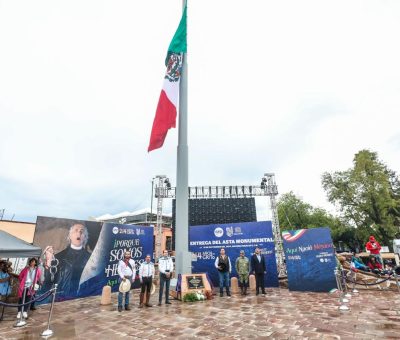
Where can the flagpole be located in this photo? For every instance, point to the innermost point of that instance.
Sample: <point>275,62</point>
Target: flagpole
<point>183,257</point>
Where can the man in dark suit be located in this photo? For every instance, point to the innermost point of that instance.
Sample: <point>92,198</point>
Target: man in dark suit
<point>258,268</point>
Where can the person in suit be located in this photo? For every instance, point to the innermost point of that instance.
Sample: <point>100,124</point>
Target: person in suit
<point>258,268</point>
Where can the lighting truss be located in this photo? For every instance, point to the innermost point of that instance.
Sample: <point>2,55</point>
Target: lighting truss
<point>268,188</point>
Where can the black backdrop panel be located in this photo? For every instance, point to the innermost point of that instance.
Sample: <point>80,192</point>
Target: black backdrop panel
<point>217,211</point>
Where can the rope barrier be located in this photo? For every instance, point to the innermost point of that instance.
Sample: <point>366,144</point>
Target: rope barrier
<point>39,298</point>
<point>366,283</point>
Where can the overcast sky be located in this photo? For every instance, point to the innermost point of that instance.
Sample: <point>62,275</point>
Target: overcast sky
<point>290,87</point>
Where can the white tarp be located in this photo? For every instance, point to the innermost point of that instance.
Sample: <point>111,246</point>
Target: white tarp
<point>11,246</point>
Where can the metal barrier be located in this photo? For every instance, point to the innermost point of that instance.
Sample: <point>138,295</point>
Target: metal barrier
<point>342,298</point>
<point>396,278</point>
<point>48,331</point>
<point>21,320</point>
<point>377,282</point>
<point>354,278</point>
<point>347,295</point>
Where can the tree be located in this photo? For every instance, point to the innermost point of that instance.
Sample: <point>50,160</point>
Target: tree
<point>368,196</point>
<point>294,213</point>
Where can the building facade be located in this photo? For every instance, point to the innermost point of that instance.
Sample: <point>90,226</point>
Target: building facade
<point>147,218</point>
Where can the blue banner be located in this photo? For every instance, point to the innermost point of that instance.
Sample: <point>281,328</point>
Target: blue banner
<point>207,240</point>
<point>87,259</point>
<point>310,259</point>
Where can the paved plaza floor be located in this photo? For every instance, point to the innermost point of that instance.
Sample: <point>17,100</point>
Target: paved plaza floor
<point>279,315</point>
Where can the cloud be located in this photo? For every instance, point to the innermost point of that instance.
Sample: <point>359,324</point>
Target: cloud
<point>291,88</point>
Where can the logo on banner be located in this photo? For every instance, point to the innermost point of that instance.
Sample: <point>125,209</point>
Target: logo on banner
<point>296,235</point>
<point>218,232</point>
<point>229,231</point>
<point>115,230</point>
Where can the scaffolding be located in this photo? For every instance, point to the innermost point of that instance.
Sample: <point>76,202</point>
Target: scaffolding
<point>161,190</point>
<point>268,188</point>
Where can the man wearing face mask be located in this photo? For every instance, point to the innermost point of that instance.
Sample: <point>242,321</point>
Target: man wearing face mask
<point>126,271</point>
<point>259,268</point>
<point>166,267</point>
<point>242,265</point>
<point>70,262</point>
<point>146,274</point>
<point>223,264</point>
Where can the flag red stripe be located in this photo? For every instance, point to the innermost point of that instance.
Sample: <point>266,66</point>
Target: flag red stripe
<point>164,120</point>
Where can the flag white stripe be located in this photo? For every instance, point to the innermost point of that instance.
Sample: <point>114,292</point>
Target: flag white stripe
<point>172,91</point>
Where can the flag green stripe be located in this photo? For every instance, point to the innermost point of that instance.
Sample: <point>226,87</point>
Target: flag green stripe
<point>178,43</point>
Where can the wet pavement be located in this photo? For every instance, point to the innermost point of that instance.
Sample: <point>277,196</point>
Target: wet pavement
<point>279,315</point>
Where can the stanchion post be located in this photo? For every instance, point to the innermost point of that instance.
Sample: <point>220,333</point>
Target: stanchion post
<point>354,278</point>
<point>342,300</point>
<point>21,322</point>
<point>397,281</point>
<point>347,295</point>
<point>339,280</point>
<point>2,312</point>
<point>48,331</point>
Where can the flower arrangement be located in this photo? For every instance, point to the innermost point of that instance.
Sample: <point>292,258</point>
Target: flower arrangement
<point>190,297</point>
<point>200,296</point>
<point>195,296</point>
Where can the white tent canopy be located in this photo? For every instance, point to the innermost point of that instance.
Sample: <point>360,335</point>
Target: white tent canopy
<point>11,246</point>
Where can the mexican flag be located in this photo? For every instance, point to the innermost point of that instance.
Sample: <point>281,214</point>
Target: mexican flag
<point>166,109</point>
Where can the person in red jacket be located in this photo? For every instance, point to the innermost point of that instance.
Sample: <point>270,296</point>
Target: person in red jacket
<point>374,265</point>
<point>374,248</point>
<point>377,268</point>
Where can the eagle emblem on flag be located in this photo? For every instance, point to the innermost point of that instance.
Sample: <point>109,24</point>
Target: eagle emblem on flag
<point>174,67</point>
